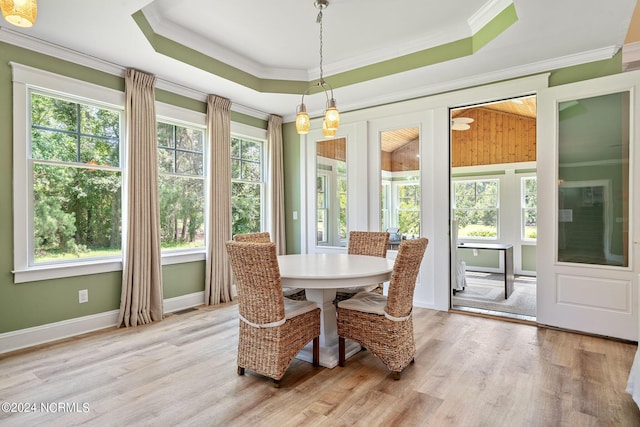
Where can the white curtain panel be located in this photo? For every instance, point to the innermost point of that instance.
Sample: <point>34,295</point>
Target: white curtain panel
<point>141,298</point>
<point>275,180</point>
<point>218,271</point>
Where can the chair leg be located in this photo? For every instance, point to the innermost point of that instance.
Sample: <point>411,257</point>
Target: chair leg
<point>341,351</point>
<point>316,352</point>
<point>240,371</point>
<point>396,375</point>
<point>276,383</point>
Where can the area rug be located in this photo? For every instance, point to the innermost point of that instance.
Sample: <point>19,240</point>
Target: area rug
<point>486,291</point>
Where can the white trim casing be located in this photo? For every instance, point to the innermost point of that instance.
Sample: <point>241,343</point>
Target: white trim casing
<point>25,78</point>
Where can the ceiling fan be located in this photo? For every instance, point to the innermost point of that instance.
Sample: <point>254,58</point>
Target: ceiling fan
<point>461,123</point>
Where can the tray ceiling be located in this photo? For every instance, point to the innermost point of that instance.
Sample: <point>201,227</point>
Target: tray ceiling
<point>263,55</point>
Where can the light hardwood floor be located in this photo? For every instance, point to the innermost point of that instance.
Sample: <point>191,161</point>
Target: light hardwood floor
<point>468,371</point>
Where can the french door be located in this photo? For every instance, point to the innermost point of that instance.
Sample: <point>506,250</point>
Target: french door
<point>589,206</point>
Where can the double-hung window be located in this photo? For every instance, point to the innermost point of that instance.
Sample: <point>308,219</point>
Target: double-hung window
<point>476,208</point>
<point>408,208</point>
<point>529,203</point>
<point>67,176</point>
<point>247,185</point>
<point>77,180</point>
<point>181,162</point>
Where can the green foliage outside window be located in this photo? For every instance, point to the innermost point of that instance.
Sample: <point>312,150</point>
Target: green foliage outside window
<point>529,207</point>
<point>476,208</point>
<point>246,187</point>
<point>75,152</point>
<point>408,210</point>
<point>181,186</point>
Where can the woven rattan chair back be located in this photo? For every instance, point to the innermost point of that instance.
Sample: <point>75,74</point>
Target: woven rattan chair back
<point>264,237</point>
<point>257,276</point>
<point>261,237</point>
<point>404,275</point>
<point>373,243</point>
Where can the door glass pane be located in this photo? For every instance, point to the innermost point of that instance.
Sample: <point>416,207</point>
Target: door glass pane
<point>400,183</point>
<point>593,179</point>
<point>331,192</point>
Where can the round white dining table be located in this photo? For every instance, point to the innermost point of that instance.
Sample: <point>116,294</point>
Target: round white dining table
<point>320,275</point>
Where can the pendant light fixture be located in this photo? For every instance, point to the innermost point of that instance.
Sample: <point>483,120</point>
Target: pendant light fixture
<point>21,13</point>
<point>331,119</point>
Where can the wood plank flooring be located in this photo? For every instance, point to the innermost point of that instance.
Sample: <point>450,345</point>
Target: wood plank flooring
<point>468,371</point>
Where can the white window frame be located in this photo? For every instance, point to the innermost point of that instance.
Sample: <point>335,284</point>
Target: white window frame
<point>395,218</point>
<point>497,208</point>
<point>246,132</point>
<point>171,114</point>
<point>523,209</point>
<point>24,79</point>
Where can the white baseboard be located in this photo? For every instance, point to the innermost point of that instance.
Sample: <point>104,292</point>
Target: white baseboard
<point>182,302</point>
<point>29,337</point>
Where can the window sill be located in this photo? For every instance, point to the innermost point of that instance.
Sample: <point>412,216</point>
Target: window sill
<point>177,257</point>
<point>48,272</point>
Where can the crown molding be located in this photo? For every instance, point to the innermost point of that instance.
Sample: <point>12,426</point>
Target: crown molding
<point>477,80</point>
<point>50,49</point>
<point>46,48</point>
<point>178,34</point>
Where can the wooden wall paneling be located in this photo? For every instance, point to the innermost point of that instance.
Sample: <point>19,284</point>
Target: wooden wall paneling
<point>495,137</point>
<point>332,149</point>
<point>385,159</point>
<point>405,158</point>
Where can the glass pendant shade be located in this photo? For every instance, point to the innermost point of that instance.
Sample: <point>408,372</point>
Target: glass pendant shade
<point>332,116</point>
<point>327,132</point>
<point>331,119</point>
<point>303,123</point>
<point>21,13</point>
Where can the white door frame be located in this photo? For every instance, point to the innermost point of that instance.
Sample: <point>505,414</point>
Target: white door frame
<point>595,299</point>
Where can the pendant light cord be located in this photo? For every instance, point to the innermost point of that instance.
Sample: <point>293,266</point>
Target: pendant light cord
<point>321,57</point>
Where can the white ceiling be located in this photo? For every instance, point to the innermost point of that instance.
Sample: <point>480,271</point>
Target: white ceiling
<point>280,40</point>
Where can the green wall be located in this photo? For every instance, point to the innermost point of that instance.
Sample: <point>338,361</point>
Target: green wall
<point>486,258</point>
<point>291,153</point>
<point>32,304</point>
<point>528,257</point>
<point>36,303</point>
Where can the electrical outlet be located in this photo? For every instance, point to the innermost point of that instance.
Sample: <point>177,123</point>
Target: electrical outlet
<point>83,296</point>
<point>475,252</point>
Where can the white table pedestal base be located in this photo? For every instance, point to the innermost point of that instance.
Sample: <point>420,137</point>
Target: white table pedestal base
<point>329,355</point>
<point>328,330</point>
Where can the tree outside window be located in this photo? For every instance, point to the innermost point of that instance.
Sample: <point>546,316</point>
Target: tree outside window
<point>529,208</point>
<point>341,181</point>
<point>181,186</point>
<point>476,208</point>
<point>247,185</point>
<point>408,209</point>
<point>322,209</point>
<point>77,179</point>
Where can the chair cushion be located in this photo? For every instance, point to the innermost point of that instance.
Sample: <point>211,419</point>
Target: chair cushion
<point>366,302</point>
<point>293,308</point>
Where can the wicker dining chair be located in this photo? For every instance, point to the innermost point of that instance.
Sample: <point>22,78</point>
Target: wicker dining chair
<point>297,294</point>
<point>260,237</point>
<point>373,243</point>
<point>273,329</point>
<point>384,324</point>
